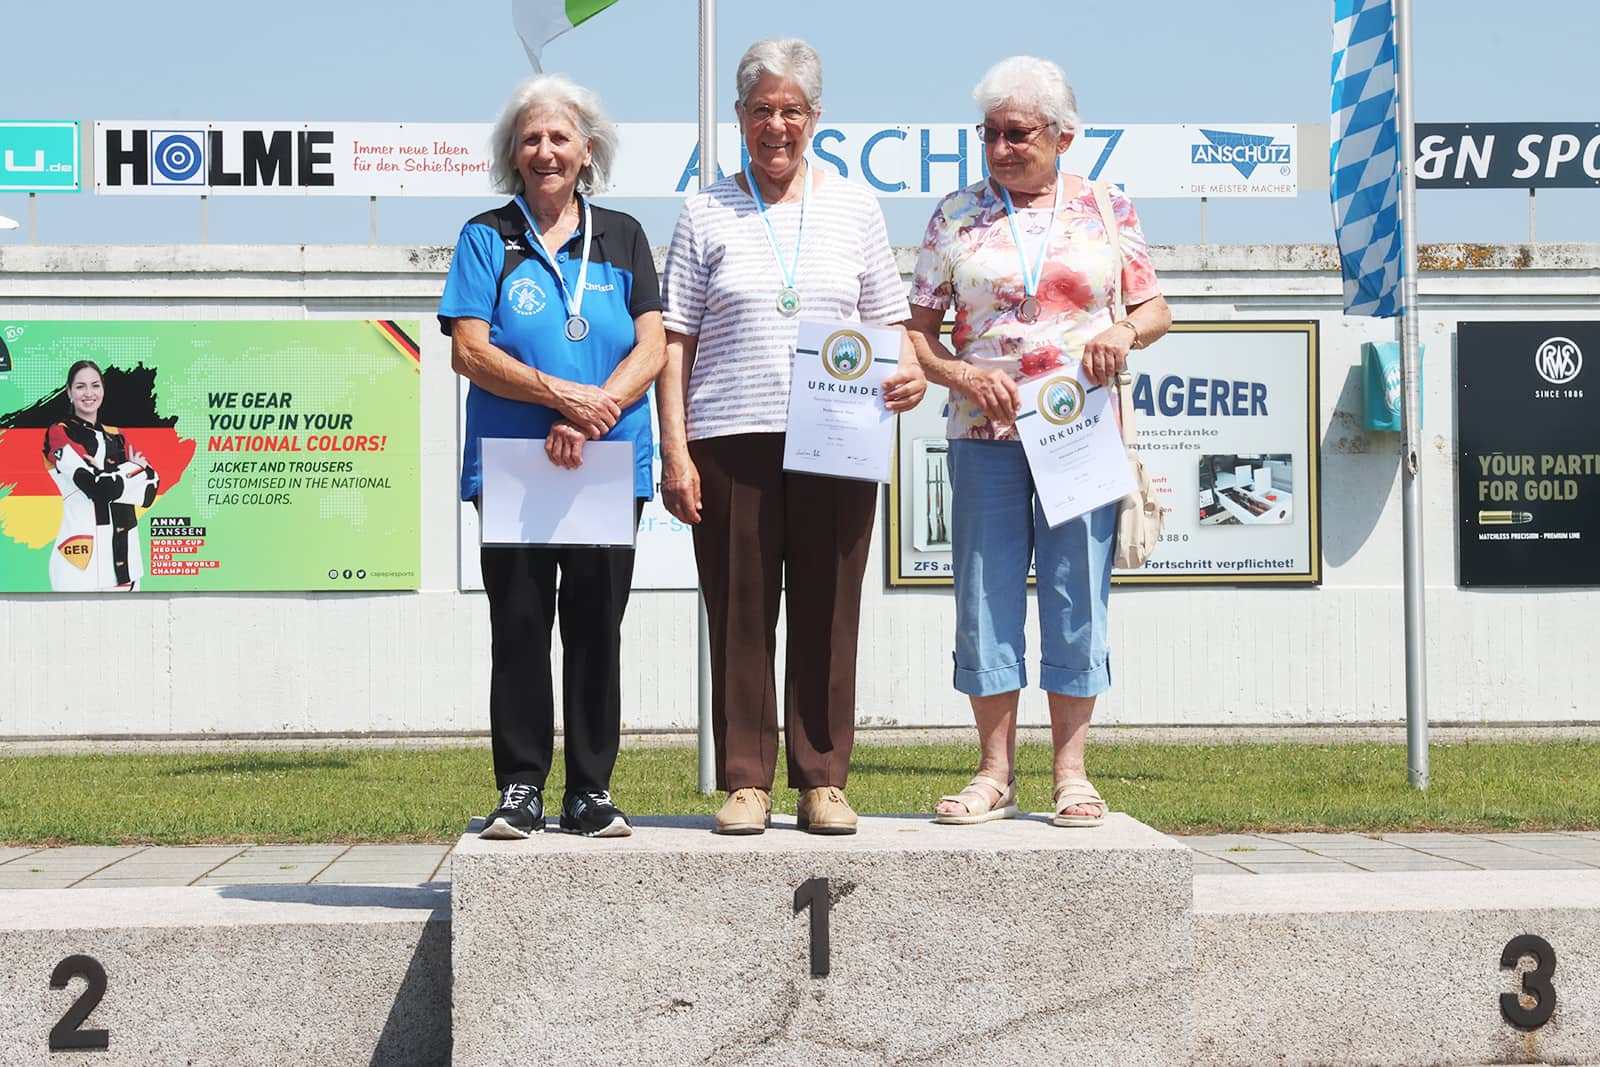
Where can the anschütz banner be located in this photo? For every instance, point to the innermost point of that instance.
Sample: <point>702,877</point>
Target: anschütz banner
<point>178,158</point>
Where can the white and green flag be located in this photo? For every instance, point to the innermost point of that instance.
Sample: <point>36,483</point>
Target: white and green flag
<point>539,22</point>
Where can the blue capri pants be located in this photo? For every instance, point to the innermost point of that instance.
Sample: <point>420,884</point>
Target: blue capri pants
<point>996,527</point>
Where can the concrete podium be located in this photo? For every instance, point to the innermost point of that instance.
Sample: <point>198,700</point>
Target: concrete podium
<point>1380,970</point>
<point>237,975</point>
<point>1013,942</point>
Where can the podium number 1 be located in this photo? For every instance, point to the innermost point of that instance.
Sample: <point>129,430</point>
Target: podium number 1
<point>813,894</point>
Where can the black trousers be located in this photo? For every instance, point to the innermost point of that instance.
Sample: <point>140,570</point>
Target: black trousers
<point>525,599</point>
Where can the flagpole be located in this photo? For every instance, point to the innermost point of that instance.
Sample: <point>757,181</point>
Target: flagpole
<point>708,174</point>
<point>1410,385</point>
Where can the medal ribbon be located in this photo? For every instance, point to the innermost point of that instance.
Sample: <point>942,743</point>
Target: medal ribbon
<point>793,267</point>
<point>1030,276</point>
<point>573,305</point>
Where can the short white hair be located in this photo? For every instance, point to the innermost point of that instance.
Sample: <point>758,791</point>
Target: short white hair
<point>784,57</point>
<point>1029,82</point>
<point>588,116</point>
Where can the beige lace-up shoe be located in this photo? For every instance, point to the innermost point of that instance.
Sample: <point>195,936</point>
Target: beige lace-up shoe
<point>824,810</point>
<point>746,811</point>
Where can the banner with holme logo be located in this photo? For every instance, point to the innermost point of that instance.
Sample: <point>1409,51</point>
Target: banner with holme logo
<point>1226,421</point>
<point>186,158</point>
<point>1529,465</point>
<point>212,456</point>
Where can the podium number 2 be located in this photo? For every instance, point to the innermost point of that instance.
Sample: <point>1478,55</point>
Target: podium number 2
<point>813,894</point>
<point>65,1034</point>
<point>1535,983</point>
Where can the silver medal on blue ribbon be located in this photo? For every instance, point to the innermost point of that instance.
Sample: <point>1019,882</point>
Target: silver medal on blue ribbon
<point>577,327</point>
<point>788,297</point>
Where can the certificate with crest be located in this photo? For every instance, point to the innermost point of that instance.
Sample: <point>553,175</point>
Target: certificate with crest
<point>1074,447</point>
<point>838,425</point>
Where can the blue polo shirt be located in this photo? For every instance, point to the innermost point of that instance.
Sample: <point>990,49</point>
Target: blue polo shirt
<point>497,277</point>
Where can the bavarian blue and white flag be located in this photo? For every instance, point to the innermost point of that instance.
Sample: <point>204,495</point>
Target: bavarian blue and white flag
<point>1364,162</point>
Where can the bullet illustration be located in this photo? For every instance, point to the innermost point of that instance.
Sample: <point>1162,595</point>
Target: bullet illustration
<point>1504,518</point>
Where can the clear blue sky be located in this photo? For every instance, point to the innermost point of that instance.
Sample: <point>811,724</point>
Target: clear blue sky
<point>912,61</point>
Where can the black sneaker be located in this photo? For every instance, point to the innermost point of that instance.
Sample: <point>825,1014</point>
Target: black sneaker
<point>593,815</point>
<point>521,812</point>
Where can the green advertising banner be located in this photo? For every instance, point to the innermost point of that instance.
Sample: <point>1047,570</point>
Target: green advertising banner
<point>38,157</point>
<point>233,456</point>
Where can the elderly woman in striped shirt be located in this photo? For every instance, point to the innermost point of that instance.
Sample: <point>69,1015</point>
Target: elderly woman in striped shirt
<point>751,255</point>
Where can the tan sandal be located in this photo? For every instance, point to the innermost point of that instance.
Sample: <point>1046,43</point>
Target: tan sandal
<point>1076,792</point>
<point>978,805</point>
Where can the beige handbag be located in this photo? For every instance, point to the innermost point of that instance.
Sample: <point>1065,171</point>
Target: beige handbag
<point>1139,517</point>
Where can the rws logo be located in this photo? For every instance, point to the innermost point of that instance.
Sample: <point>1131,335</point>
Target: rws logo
<point>1558,360</point>
<point>1244,152</point>
<point>216,158</point>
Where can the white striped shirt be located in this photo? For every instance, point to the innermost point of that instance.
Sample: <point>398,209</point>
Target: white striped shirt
<point>721,286</point>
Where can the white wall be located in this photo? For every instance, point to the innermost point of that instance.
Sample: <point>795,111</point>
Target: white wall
<point>220,663</point>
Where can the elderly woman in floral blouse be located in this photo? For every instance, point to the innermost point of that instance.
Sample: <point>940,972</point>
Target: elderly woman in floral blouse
<point>1026,261</point>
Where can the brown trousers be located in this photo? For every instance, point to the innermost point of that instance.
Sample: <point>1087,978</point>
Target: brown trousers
<point>760,529</point>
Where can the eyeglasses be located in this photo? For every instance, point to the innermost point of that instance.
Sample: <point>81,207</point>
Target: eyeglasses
<point>762,113</point>
<point>1013,134</point>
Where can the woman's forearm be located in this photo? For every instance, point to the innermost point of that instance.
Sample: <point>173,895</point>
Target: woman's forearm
<point>643,364</point>
<point>671,393</point>
<point>940,365</point>
<point>1152,319</point>
<point>487,367</point>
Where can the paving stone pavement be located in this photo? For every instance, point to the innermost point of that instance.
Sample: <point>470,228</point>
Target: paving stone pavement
<point>1344,853</point>
<point>1231,854</point>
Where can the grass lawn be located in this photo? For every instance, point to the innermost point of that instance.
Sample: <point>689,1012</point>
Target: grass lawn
<point>390,795</point>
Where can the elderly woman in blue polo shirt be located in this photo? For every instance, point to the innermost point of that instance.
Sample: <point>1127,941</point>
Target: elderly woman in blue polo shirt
<point>553,310</point>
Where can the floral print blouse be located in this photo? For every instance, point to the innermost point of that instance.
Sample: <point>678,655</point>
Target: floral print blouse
<point>969,258</point>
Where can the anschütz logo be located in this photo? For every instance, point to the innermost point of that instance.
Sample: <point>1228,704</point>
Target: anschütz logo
<point>526,297</point>
<point>1243,151</point>
<point>1061,400</point>
<point>1558,360</point>
<point>846,355</point>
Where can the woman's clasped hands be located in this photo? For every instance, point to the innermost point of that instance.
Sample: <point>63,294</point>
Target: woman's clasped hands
<point>588,412</point>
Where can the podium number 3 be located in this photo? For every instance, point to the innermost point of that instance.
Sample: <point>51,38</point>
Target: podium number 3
<point>813,894</point>
<point>65,1034</point>
<point>1535,983</point>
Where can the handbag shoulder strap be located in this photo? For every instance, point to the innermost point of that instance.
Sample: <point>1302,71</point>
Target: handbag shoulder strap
<point>1108,219</point>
